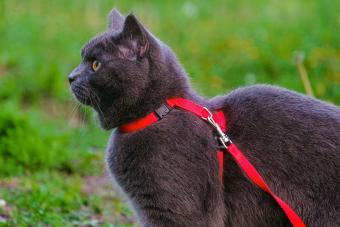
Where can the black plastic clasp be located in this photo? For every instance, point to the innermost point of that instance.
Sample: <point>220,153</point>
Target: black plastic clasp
<point>162,111</point>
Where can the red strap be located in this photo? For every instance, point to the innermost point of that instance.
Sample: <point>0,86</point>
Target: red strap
<point>238,156</point>
<point>188,105</point>
<point>252,173</point>
<point>139,124</point>
<point>220,159</point>
<point>198,110</point>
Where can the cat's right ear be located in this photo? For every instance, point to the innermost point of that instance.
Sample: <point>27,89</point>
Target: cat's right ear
<point>134,42</point>
<point>116,20</point>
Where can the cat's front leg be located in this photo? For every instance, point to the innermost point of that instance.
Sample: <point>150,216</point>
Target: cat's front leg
<point>168,189</point>
<point>163,200</point>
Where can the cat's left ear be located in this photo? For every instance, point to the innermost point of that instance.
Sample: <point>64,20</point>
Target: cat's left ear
<point>134,42</point>
<point>116,20</point>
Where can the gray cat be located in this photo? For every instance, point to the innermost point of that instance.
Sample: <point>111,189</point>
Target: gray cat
<point>169,169</point>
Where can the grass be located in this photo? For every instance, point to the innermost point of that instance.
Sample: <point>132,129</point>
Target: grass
<point>56,199</point>
<point>52,155</point>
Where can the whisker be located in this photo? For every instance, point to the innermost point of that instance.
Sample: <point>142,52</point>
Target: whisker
<point>97,105</point>
<point>83,117</point>
<point>74,110</point>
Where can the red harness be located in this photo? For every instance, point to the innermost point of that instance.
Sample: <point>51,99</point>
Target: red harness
<point>218,121</point>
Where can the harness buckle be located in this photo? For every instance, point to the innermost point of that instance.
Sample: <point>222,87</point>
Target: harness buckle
<point>224,139</point>
<point>162,111</point>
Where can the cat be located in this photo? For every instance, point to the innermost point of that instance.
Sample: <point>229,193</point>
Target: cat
<point>169,169</point>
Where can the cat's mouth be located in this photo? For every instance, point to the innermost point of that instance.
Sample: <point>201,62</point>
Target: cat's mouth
<point>82,94</point>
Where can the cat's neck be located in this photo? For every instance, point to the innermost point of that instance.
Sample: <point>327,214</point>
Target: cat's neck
<point>154,100</point>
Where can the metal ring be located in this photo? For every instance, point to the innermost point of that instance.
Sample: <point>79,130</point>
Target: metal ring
<point>209,114</point>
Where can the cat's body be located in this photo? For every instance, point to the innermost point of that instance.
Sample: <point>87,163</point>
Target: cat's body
<point>169,169</point>
<point>158,166</point>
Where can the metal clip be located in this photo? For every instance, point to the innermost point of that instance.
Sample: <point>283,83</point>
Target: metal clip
<point>225,140</point>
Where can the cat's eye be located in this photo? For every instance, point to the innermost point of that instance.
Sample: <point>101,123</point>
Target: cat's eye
<point>96,65</point>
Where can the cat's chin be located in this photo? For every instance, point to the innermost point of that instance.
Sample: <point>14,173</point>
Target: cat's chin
<point>106,124</point>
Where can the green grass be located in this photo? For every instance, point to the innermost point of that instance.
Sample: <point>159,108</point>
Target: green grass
<point>56,199</point>
<point>52,155</point>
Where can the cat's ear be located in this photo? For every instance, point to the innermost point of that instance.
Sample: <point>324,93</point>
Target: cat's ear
<point>116,20</point>
<point>134,39</point>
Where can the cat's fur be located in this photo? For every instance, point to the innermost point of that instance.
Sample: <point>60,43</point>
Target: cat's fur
<point>169,169</point>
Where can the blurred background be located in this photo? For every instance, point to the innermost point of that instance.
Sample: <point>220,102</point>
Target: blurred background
<point>52,152</point>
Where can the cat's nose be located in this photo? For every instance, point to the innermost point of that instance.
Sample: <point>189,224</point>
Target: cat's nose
<point>75,74</point>
<point>71,78</point>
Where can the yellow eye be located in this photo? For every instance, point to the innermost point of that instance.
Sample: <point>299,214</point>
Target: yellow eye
<point>96,65</point>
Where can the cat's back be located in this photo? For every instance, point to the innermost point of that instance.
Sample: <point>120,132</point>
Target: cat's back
<point>283,108</point>
<point>268,97</point>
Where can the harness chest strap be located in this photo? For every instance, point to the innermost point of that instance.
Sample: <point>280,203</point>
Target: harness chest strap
<point>218,121</point>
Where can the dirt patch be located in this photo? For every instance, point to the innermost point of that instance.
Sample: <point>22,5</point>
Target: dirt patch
<point>9,183</point>
<point>99,185</point>
<point>111,194</point>
<point>3,69</point>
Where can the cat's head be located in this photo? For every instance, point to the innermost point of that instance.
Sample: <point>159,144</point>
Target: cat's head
<point>125,72</point>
